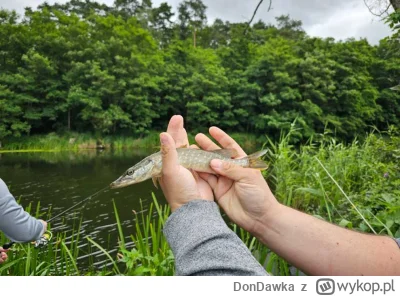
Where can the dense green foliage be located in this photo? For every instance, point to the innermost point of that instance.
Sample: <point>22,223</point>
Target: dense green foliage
<point>83,141</point>
<point>125,69</point>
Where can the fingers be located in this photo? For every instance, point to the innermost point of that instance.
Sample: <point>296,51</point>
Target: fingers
<point>176,130</point>
<point>221,137</point>
<point>212,180</point>
<point>3,256</point>
<point>226,141</point>
<point>229,170</point>
<point>169,154</point>
<point>205,142</point>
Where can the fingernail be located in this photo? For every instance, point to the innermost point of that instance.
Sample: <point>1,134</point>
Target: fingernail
<point>164,139</point>
<point>216,163</point>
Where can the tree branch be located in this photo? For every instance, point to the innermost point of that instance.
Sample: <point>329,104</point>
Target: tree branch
<point>373,13</point>
<point>255,12</point>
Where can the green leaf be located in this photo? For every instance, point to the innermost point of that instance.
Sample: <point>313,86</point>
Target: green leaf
<point>345,223</point>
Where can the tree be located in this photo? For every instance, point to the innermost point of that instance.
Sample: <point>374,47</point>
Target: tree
<point>81,8</point>
<point>192,17</point>
<point>127,68</point>
<point>12,122</point>
<point>290,28</point>
<point>161,24</point>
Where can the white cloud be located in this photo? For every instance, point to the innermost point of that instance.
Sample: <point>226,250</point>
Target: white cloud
<point>340,19</point>
<point>353,20</point>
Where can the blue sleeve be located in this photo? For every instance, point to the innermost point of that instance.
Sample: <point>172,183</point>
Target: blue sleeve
<point>17,224</point>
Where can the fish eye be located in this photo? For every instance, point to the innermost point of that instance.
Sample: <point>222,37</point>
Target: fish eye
<point>130,172</point>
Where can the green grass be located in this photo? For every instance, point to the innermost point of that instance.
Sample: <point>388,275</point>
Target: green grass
<point>75,141</point>
<point>151,254</point>
<point>58,258</point>
<point>341,182</point>
<point>354,185</point>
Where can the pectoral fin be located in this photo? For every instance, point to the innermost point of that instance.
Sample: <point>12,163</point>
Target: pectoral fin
<point>155,180</point>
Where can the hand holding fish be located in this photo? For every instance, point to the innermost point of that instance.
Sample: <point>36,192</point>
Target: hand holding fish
<point>185,174</point>
<point>234,180</point>
<point>178,183</point>
<point>242,192</point>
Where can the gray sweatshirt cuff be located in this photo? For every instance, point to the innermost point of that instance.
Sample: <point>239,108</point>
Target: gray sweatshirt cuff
<point>15,222</point>
<point>203,244</point>
<point>397,240</point>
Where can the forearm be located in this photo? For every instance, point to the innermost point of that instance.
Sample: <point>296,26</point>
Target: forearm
<point>17,224</point>
<point>203,244</point>
<point>320,248</point>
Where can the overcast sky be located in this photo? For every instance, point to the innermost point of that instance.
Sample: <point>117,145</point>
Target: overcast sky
<point>340,19</point>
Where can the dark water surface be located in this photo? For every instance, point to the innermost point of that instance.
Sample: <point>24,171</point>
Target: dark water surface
<point>58,180</point>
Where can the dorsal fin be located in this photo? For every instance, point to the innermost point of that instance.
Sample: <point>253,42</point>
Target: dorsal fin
<point>229,153</point>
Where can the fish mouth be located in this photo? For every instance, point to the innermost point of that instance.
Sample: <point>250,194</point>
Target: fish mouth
<point>120,184</point>
<point>117,184</point>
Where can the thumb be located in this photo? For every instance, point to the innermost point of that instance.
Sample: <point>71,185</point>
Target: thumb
<point>229,170</point>
<point>169,154</point>
<point>44,225</point>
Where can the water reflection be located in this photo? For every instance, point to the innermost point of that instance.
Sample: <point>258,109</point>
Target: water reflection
<point>58,180</point>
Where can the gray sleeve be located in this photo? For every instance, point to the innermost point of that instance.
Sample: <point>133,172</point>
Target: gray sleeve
<point>203,244</point>
<point>397,240</point>
<point>17,224</point>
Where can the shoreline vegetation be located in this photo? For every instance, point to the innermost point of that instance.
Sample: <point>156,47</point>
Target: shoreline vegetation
<point>126,67</point>
<point>53,142</point>
<point>366,174</point>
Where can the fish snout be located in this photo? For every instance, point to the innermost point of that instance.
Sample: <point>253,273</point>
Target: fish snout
<point>117,183</point>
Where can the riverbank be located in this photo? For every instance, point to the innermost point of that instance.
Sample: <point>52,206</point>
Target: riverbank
<point>78,141</point>
<point>354,186</point>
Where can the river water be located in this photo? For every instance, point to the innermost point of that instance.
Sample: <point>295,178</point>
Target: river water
<point>58,180</point>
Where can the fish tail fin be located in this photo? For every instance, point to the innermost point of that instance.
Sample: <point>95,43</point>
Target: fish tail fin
<point>255,162</point>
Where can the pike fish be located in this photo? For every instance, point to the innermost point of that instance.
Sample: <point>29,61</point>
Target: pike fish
<point>196,160</point>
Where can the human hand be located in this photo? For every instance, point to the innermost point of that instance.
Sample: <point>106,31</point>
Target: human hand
<point>179,184</point>
<point>3,255</point>
<point>243,193</point>
<point>44,225</point>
